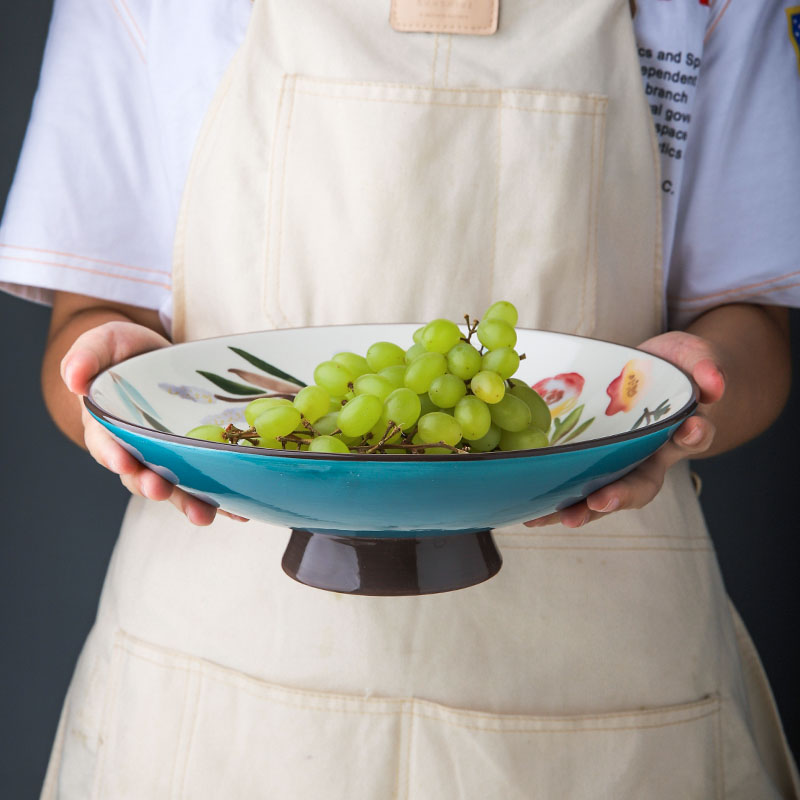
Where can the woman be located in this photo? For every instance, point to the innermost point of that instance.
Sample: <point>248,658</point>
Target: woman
<point>461,163</point>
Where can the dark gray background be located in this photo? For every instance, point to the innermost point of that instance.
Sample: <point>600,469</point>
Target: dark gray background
<point>61,512</point>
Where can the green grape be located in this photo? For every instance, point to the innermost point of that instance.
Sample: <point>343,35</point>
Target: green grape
<point>426,405</point>
<point>440,335</point>
<point>511,414</point>
<point>486,443</point>
<point>423,370</point>
<point>488,386</point>
<point>417,337</point>
<point>373,384</point>
<point>356,365</point>
<point>503,310</point>
<point>402,407</point>
<point>474,417</point>
<point>494,333</point>
<point>208,433</point>
<point>439,427</point>
<point>312,402</point>
<point>529,439</point>
<point>413,352</point>
<point>463,360</point>
<point>328,444</point>
<point>260,405</point>
<point>384,354</point>
<point>446,390</point>
<point>540,412</point>
<point>335,404</point>
<point>248,443</point>
<point>277,421</point>
<point>360,414</point>
<point>333,377</point>
<point>504,361</point>
<point>395,375</point>
<point>327,424</point>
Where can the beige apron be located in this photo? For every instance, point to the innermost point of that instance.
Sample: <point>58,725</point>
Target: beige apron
<point>351,172</point>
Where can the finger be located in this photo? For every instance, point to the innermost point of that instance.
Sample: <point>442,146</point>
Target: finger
<point>101,347</point>
<point>710,381</point>
<point>695,436</point>
<point>196,511</point>
<point>573,516</point>
<point>634,490</point>
<point>235,517</point>
<point>106,451</point>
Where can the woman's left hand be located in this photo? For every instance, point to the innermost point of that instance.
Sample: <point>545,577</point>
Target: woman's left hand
<point>697,357</point>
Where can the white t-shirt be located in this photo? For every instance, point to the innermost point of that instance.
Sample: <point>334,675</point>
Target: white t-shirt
<point>125,84</point>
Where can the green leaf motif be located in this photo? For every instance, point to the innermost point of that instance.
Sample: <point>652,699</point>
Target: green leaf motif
<point>579,430</point>
<point>562,428</point>
<point>265,367</point>
<point>228,385</point>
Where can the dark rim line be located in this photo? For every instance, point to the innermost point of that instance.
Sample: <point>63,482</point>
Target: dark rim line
<point>103,416</point>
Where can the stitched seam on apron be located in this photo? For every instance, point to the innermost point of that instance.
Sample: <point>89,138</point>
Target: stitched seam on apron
<point>687,549</point>
<point>572,535</point>
<point>498,160</point>
<point>270,200</point>
<point>264,690</point>
<point>488,106</point>
<point>582,313</point>
<point>595,190</point>
<point>453,90</point>
<point>279,244</point>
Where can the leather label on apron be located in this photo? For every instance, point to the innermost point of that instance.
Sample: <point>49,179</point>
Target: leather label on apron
<point>476,17</point>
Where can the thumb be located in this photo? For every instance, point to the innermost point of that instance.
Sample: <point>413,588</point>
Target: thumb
<point>101,347</point>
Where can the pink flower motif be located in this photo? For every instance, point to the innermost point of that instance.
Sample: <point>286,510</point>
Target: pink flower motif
<point>561,392</point>
<point>627,386</point>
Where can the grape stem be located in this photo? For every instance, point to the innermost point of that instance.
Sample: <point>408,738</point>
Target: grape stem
<point>234,434</point>
<point>391,429</point>
<point>308,426</point>
<point>471,328</point>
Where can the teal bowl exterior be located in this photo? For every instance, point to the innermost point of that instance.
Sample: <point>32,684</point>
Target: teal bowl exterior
<point>382,496</point>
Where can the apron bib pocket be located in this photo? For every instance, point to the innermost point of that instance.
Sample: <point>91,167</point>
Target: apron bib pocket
<point>393,199</point>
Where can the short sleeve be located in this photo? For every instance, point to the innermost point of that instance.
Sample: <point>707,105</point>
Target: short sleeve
<point>88,211</point>
<point>739,213</point>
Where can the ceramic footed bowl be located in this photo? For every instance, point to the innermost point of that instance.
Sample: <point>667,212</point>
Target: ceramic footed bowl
<point>388,523</point>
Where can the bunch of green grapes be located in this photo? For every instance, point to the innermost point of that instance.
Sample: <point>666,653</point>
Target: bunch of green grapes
<point>441,395</point>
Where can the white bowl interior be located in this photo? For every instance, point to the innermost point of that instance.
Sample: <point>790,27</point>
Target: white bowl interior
<point>594,389</point>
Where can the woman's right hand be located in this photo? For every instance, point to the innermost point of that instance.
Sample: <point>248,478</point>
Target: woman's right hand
<point>95,346</point>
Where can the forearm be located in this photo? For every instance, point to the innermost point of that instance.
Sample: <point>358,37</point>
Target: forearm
<point>72,316</point>
<point>752,344</point>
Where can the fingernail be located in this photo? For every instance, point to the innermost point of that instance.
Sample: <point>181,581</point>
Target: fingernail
<point>67,375</point>
<point>534,523</point>
<point>611,505</point>
<point>693,437</point>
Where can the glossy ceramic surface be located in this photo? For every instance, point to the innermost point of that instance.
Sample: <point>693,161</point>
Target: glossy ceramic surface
<point>611,407</point>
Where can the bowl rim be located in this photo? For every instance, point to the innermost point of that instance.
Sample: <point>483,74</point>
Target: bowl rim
<point>678,416</point>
